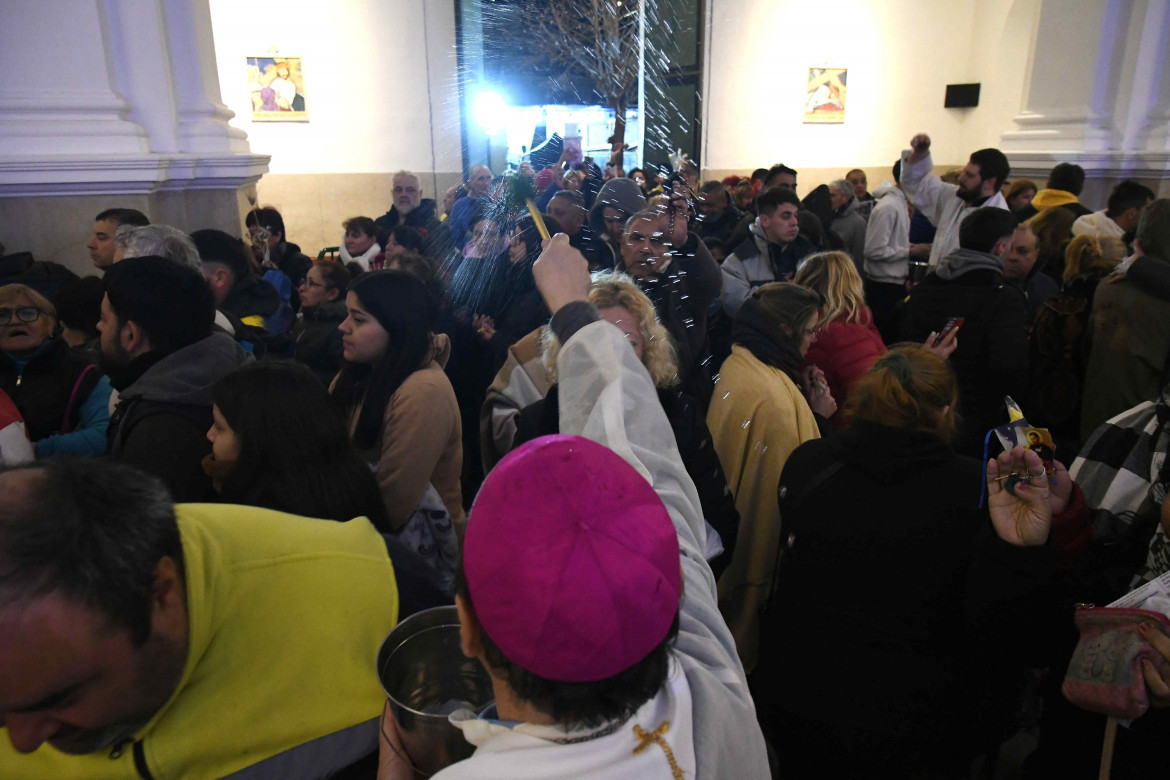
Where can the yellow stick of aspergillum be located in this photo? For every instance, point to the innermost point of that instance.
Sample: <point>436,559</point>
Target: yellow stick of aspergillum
<point>536,218</point>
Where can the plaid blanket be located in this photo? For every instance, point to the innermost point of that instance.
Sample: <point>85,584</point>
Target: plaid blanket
<point>1122,471</point>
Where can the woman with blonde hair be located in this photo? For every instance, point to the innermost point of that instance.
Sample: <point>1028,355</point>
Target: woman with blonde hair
<point>890,563</point>
<point>849,343</point>
<point>620,302</point>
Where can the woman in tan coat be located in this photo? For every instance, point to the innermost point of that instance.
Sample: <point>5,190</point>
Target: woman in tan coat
<point>402,410</point>
<point>761,411</point>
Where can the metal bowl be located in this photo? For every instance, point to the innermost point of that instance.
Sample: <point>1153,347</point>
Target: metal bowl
<point>426,677</point>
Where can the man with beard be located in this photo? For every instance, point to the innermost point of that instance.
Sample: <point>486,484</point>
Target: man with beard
<point>947,205</point>
<point>413,210</point>
<point>143,639</point>
<point>162,356</point>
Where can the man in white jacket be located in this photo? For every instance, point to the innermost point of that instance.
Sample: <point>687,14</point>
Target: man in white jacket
<point>946,205</point>
<point>578,549</point>
<point>1121,214</point>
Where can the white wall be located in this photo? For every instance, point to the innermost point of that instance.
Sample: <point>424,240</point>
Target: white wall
<point>370,104</point>
<point>900,55</point>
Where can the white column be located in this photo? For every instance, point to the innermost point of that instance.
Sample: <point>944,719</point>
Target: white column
<point>1097,94</point>
<point>202,116</point>
<point>114,96</point>
<point>58,94</point>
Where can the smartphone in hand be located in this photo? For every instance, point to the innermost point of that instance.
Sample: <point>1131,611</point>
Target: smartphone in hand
<point>952,325</point>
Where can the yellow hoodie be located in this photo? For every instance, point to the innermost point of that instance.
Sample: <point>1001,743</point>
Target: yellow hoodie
<point>1046,199</point>
<point>286,616</point>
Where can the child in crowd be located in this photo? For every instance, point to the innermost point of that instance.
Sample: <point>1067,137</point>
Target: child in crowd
<point>360,244</point>
<point>278,442</point>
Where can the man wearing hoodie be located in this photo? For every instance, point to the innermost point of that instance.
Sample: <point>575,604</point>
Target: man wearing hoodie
<point>413,210</point>
<point>161,354</point>
<point>1129,330</point>
<point>847,223</point>
<point>1065,182</point>
<point>617,201</point>
<point>991,360</point>
<point>770,253</point>
<point>946,205</point>
<point>887,254</point>
<point>243,298</point>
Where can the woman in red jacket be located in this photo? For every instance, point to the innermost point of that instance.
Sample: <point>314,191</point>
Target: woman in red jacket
<point>848,344</point>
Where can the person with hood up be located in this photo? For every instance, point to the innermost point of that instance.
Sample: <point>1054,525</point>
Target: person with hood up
<point>991,360</point>
<point>162,356</point>
<point>618,200</point>
<point>762,410</point>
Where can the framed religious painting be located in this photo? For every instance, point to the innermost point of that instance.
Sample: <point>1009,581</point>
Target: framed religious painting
<point>277,87</point>
<point>824,101</point>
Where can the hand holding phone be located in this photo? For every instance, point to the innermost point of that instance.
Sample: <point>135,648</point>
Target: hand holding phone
<point>952,325</point>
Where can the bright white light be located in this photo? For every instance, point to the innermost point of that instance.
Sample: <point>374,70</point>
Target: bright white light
<point>491,112</point>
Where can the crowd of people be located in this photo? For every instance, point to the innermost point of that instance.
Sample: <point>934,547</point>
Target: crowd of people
<point>711,476</point>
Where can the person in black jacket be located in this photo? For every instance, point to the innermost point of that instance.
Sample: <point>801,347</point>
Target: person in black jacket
<point>991,360</point>
<point>412,210</point>
<point>314,338</point>
<point>675,270</point>
<point>162,356</point>
<point>901,603</point>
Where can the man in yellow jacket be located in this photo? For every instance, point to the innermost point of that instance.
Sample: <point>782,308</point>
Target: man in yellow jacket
<point>143,639</point>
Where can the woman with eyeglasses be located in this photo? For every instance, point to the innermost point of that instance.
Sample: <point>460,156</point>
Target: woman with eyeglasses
<point>315,339</point>
<point>62,396</point>
<point>763,408</point>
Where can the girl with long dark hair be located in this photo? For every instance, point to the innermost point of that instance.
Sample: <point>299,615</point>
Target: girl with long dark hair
<point>277,441</point>
<point>402,412</point>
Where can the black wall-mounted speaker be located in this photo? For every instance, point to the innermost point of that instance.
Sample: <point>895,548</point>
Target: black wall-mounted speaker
<point>962,96</point>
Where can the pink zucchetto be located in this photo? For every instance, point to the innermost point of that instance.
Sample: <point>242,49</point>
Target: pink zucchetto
<point>571,561</point>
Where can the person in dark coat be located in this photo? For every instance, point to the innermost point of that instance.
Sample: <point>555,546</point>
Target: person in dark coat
<point>991,360</point>
<point>412,210</point>
<point>891,565</point>
<point>314,338</point>
<point>718,215</point>
<point>162,356</point>
<point>62,396</point>
<point>675,270</point>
